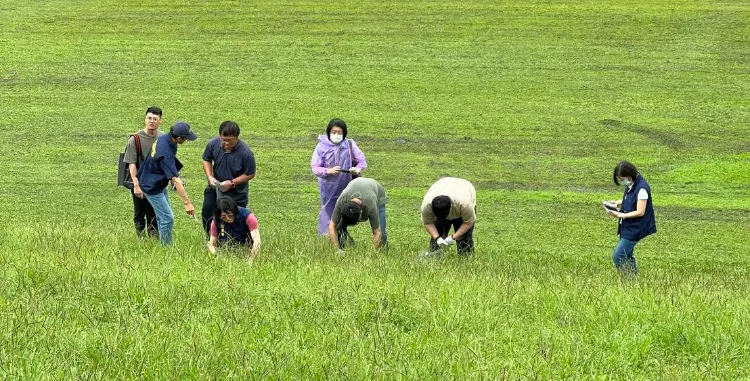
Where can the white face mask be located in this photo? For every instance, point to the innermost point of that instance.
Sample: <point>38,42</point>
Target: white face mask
<point>627,183</point>
<point>336,139</point>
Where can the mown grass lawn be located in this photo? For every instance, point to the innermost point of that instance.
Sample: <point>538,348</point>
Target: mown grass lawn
<point>534,102</point>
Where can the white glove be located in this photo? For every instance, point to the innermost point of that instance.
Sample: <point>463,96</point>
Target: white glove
<point>441,242</point>
<point>449,240</point>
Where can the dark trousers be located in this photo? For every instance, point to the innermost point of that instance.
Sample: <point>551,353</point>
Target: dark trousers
<point>209,203</point>
<point>464,244</point>
<point>144,217</point>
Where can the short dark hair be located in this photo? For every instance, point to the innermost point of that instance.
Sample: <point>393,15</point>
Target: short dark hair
<point>153,110</point>
<point>350,213</point>
<point>624,169</point>
<point>229,128</point>
<point>225,205</point>
<point>441,206</point>
<point>336,123</point>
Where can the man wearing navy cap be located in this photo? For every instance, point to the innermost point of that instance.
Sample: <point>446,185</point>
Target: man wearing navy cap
<point>158,170</point>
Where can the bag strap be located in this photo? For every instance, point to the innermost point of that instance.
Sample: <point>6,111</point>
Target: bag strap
<point>138,150</point>
<point>351,153</point>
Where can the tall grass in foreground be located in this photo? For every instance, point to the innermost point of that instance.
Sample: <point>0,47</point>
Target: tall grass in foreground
<point>86,306</point>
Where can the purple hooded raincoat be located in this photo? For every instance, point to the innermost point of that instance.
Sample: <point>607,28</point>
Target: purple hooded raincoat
<point>327,155</point>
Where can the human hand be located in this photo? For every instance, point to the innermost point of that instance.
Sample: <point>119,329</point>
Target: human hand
<point>189,209</point>
<point>449,240</point>
<point>225,185</point>
<point>355,171</point>
<point>212,181</point>
<point>137,191</point>
<point>441,242</point>
<point>334,171</point>
<point>211,248</point>
<point>615,214</point>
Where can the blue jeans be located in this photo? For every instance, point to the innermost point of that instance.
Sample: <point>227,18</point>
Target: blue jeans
<point>623,256</point>
<point>164,216</point>
<point>384,244</point>
<point>346,240</point>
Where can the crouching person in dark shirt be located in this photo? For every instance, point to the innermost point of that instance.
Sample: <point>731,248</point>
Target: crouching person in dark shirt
<point>233,225</point>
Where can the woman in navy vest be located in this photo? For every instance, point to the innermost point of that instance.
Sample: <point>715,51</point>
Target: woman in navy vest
<point>635,213</point>
<point>236,226</point>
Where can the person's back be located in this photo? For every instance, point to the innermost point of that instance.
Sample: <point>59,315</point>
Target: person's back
<point>366,189</point>
<point>462,194</point>
<point>450,203</point>
<point>160,166</point>
<point>363,199</point>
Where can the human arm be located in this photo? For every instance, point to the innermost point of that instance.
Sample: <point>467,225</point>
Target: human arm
<point>252,226</point>
<point>638,212</point>
<point>169,165</point>
<point>212,241</point>
<point>209,171</point>
<point>377,237</point>
<point>616,203</point>
<point>248,170</point>
<point>131,159</point>
<point>213,238</point>
<point>461,230</point>
<point>358,157</point>
<point>189,208</point>
<point>373,214</point>
<point>136,184</point>
<point>255,235</point>
<point>241,179</point>
<point>431,230</point>
<point>468,216</point>
<point>318,165</point>
<point>332,234</point>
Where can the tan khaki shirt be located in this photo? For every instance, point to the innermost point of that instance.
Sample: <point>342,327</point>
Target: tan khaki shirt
<point>463,199</point>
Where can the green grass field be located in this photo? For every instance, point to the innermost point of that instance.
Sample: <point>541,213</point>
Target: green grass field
<point>534,102</point>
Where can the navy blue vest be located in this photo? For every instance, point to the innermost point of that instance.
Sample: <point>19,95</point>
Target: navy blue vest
<point>635,229</point>
<point>237,231</point>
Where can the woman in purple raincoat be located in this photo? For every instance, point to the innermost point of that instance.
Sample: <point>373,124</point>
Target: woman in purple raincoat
<point>335,160</point>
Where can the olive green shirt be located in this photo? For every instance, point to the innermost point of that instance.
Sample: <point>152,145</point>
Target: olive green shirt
<point>146,143</point>
<point>372,195</point>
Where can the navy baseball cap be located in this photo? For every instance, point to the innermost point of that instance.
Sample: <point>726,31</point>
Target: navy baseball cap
<point>182,129</point>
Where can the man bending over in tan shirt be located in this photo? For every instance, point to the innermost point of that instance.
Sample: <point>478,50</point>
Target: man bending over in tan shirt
<point>450,202</point>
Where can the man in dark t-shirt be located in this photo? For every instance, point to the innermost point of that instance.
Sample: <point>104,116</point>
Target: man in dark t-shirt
<point>229,164</point>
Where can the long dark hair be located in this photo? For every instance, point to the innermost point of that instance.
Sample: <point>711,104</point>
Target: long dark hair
<point>624,169</point>
<point>225,205</point>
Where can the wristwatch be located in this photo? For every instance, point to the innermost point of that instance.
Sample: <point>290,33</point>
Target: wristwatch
<point>232,182</point>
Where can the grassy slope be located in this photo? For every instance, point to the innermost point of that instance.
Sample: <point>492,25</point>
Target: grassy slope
<point>534,102</point>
